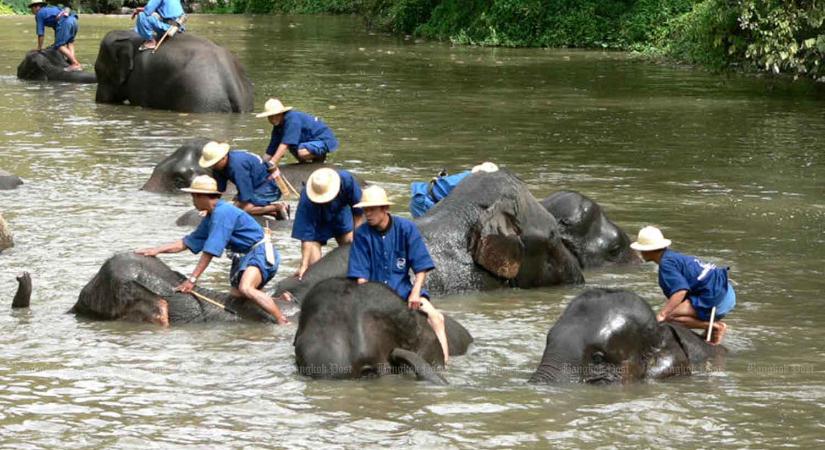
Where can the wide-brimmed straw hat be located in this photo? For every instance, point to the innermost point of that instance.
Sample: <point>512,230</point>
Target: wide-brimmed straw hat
<point>273,106</point>
<point>650,238</point>
<point>485,167</point>
<point>36,2</point>
<point>212,153</point>
<point>323,185</point>
<point>373,196</point>
<point>202,184</point>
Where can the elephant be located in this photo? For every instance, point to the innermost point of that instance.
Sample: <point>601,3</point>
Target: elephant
<point>351,330</point>
<point>48,65</point>
<point>187,74</point>
<point>9,181</point>
<point>608,336</point>
<point>22,298</point>
<point>141,289</point>
<point>587,232</point>
<point>490,232</point>
<point>178,169</point>
<point>6,239</point>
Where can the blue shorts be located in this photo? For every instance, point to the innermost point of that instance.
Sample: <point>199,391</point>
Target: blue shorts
<point>266,194</point>
<point>255,258</point>
<point>65,31</point>
<point>317,148</point>
<point>724,306</point>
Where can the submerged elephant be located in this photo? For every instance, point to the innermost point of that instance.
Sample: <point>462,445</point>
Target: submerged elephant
<point>6,239</point>
<point>351,330</point>
<point>187,74</point>
<point>178,169</point>
<point>587,232</point>
<point>490,232</point>
<point>49,65</point>
<point>8,180</point>
<point>141,289</point>
<point>611,336</point>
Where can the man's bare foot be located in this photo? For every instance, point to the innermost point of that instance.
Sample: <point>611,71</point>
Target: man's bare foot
<point>719,330</point>
<point>73,68</point>
<point>286,297</point>
<point>148,45</point>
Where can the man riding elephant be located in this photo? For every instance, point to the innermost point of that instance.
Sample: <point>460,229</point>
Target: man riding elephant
<point>386,250</point>
<point>154,19</point>
<point>226,227</point>
<point>64,23</point>
<point>307,137</point>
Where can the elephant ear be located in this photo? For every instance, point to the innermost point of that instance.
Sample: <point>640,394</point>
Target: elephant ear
<point>495,241</point>
<point>124,59</point>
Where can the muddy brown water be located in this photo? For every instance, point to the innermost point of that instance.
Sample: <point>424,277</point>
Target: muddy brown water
<point>731,167</point>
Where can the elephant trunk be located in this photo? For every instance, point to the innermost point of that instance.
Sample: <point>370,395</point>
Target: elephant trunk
<point>423,371</point>
<point>24,291</point>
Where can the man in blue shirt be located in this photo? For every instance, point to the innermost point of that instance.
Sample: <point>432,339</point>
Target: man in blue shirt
<point>386,249</point>
<point>227,227</point>
<point>693,288</point>
<point>307,137</point>
<point>154,19</point>
<point>257,193</point>
<point>64,23</point>
<point>425,195</point>
<point>327,208</point>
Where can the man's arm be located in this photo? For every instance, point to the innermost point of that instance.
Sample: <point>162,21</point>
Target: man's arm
<point>40,43</point>
<point>203,263</point>
<point>277,155</point>
<point>310,254</point>
<point>414,299</point>
<point>674,301</point>
<point>173,247</point>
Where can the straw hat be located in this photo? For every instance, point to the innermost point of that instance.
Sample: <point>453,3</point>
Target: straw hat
<point>650,238</point>
<point>202,184</point>
<point>273,106</point>
<point>373,196</point>
<point>212,153</point>
<point>323,185</point>
<point>485,167</point>
<point>36,2</point>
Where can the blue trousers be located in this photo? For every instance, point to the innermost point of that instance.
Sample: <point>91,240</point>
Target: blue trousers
<point>147,26</point>
<point>65,31</point>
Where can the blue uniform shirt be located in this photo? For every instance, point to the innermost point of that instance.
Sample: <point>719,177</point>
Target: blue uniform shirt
<point>168,9</point>
<point>249,174</point>
<point>423,197</point>
<point>46,17</point>
<point>226,227</point>
<point>320,222</point>
<point>387,258</point>
<point>706,284</point>
<point>298,127</point>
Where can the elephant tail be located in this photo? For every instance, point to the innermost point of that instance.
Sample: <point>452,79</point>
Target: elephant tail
<point>423,370</point>
<point>24,291</point>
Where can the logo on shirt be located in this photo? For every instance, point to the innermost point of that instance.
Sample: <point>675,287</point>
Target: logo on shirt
<point>706,268</point>
<point>400,263</point>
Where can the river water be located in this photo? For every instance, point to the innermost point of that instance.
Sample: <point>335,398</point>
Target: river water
<point>730,167</point>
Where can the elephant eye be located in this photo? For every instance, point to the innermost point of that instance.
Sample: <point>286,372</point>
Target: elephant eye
<point>597,358</point>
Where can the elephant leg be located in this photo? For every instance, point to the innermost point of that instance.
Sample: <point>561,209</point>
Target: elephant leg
<point>423,371</point>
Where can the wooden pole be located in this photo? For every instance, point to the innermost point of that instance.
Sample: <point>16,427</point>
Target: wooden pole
<point>209,300</point>
<point>710,324</point>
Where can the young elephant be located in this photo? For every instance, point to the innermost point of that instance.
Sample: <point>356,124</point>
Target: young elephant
<point>611,336</point>
<point>141,289</point>
<point>351,330</point>
<point>49,65</point>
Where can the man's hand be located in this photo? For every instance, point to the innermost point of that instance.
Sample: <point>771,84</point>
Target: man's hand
<point>275,174</point>
<point>147,251</point>
<point>661,317</point>
<point>136,12</point>
<point>185,287</point>
<point>413,301</point>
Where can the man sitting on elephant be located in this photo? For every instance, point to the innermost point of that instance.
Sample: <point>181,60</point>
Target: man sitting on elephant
<point>257,193</point>
<point>327,208</point>
<point>154,19</point>
<point>683,277</point>
<point>64,22</point>
<point>307,137</point>
<point>424,196</point>
<point>386,249</point>
<point>254,261</point>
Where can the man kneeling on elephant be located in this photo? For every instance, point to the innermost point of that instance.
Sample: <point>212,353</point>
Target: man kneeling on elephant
<point>257,193</point>
<point>254,261</point>
<point>385,249</point>
<point>154,19</point>
<point>64,22</point>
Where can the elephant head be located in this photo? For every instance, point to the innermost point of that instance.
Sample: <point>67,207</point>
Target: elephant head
<point>178,169</point>
<point>587,232</point>
<point>115,62</point>
<point>607,336</point>
<point>48,65</point>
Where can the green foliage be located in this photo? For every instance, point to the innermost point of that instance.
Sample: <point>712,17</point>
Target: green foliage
<point>280,6</point>
<point>708,34</point>
<point>16,6</point>
<point>98,6</point>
